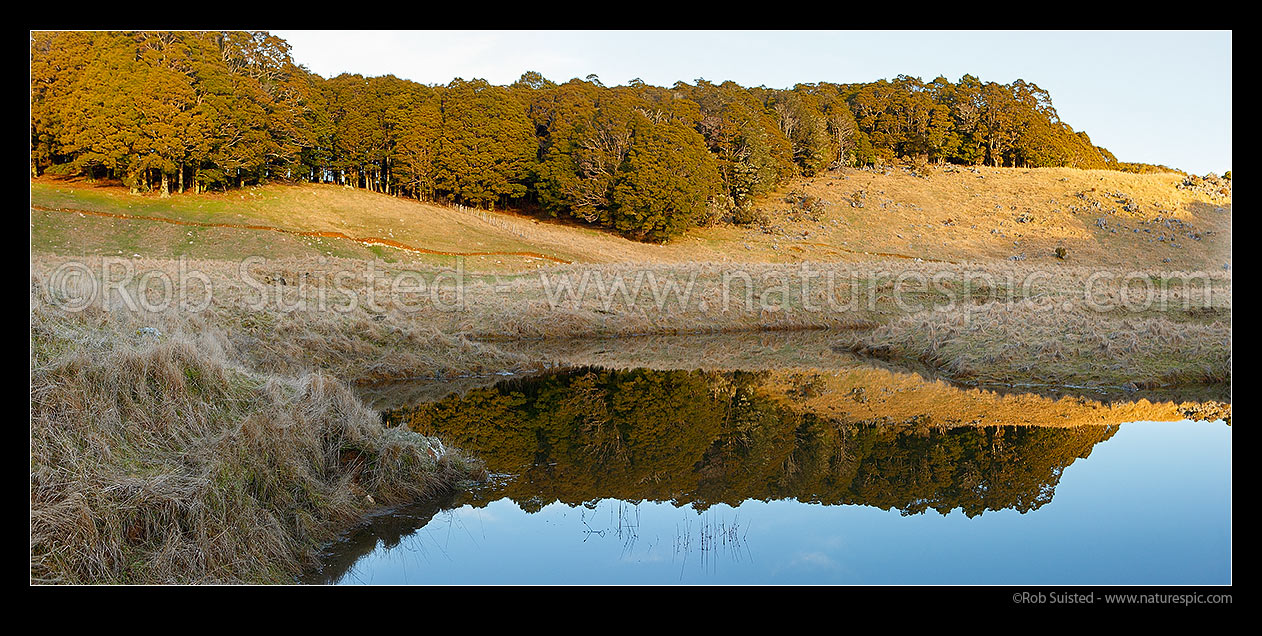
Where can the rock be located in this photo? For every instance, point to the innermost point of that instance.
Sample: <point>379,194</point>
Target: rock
<point>149,331</point>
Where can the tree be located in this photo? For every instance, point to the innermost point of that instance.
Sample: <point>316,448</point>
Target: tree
<point>587,142</point>
<point>752,154</point>
<point>802,122</point>
<point>415,155</point>
<point>488,144</point>
<point>669,181</point>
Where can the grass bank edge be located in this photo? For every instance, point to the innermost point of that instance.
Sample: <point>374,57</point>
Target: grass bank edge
<point>163,460</point>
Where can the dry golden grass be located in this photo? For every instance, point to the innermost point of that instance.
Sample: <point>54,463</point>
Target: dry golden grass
<point>957,214</point>
<point>1001,323</point>
<point>952,214</point>
<point>362,345</point>
<point>1029,342</point>
<point>160,459</point>
<point>318,208</point>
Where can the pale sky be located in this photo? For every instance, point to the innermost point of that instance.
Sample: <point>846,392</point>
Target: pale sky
<point>1159,97</point>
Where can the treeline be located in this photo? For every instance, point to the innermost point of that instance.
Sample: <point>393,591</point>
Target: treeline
<point>172,111</point>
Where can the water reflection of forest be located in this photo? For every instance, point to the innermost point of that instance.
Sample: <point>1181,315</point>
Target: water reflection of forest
<point>707,437</point>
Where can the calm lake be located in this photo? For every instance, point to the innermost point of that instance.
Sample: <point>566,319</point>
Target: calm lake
<point>848,476</point>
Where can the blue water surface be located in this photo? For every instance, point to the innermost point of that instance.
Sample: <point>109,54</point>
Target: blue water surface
<point>1150,505</point>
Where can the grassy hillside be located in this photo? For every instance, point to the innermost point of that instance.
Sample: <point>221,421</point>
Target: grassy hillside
<point>984,214</point>
<point>948,214</point>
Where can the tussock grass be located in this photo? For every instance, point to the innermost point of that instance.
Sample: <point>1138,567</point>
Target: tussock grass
<point>365,345</point>
<point>161,459</point>
<point>997,322</point>
<point>1037,342</point>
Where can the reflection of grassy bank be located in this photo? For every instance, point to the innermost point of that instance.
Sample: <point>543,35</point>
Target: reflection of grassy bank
<point>161,459</point>
<point>811,351</point>
<point>880,394</point>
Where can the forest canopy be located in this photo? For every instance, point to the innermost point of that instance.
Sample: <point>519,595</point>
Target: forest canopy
<point>174,111</point>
